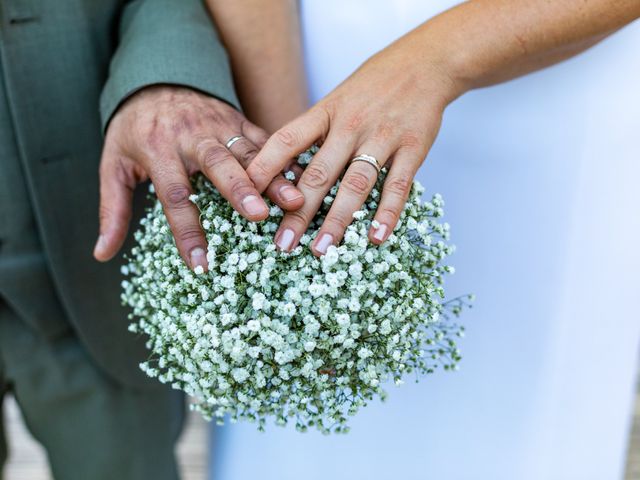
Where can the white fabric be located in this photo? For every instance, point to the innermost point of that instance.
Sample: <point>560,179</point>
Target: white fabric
<point>540,177</point>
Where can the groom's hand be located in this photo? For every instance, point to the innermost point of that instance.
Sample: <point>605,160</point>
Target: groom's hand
<point>166,134</point>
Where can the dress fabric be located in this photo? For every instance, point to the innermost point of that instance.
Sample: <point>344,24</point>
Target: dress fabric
<point>540,179</point>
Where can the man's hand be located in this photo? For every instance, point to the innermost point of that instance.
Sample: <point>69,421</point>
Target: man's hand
<point>166,134</point>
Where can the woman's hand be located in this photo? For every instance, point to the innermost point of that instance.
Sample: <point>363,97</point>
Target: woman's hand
<point>391,109</point>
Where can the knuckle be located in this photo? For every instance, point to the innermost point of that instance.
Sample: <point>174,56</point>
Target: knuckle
<point>353,122</point>
<point>389,212</point>
<point>357,182</point>
<point>176,195</point>
<point>188,233</point>
<point>315,176</point>
<point>154,136</point>
<point>411,141</point>
<point>116,219</point>
<point>383,132</point>
<point>215,114</point>
<point>240,186</point>
<point>336,222</point>
<point>399,185</point>
<point>259,168</point>
<point>288,137</point>
<point>247,155</point>
<point>104,213</point>
<point>297,219</point>
<point>211,156</point>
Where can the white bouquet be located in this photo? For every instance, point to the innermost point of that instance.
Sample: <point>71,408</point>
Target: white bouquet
<point>264,333</point>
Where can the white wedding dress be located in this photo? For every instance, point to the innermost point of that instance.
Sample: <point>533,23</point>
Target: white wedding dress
<point>542,182</point>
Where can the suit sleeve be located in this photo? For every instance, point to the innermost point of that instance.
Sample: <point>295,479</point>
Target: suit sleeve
<point>166,42</point>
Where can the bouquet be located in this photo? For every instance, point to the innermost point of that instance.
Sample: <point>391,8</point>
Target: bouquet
<point>289,336</point>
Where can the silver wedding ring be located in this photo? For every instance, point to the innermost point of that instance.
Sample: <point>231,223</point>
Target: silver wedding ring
<point>371,160</point>
<point>232,140</point>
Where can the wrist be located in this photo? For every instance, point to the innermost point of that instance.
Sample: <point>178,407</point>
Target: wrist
<point>427,63</point>
<point>443,56</point>
<point>440,84</point>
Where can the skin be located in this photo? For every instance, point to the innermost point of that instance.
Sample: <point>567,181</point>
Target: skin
<point>392,106</point>
<point>266,62</point>
<point>166,134</point>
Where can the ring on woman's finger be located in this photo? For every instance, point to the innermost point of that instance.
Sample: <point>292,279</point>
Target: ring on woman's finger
<point>233,140</point>
<point>370,159</point>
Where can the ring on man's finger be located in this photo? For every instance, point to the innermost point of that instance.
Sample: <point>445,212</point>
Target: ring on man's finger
<point>232,140</point>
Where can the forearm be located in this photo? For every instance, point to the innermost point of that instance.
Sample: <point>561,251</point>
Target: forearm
<point>484,42</point>
<point>264,45</point>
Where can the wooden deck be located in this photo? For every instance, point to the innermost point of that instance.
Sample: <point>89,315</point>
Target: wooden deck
<point>27,461</point>
<point>633,455</point>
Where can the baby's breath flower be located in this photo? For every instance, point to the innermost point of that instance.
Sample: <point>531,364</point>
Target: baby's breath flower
<point>269,334</point>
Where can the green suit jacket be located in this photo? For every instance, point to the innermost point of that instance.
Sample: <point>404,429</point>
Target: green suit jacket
<point>67,65</point>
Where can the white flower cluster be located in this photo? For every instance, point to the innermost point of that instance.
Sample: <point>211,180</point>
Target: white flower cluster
<point>265,333</point>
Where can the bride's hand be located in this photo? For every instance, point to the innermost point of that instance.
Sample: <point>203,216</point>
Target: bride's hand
<point>390,109</point>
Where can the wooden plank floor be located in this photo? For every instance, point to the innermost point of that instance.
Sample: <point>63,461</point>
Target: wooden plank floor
<point>633,455</point>
<point>27,461</point>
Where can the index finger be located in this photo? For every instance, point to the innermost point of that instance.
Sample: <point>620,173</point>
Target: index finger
<point>288,142</point>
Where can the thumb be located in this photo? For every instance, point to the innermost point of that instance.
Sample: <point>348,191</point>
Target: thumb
<point>116,194</point>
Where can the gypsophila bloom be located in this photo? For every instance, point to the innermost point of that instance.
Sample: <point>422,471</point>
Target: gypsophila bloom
<point>268,334</point>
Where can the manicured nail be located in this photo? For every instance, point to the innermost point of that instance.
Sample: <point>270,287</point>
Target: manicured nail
<point>324,242</point>
<point>285,239</point>
<point>254,205</point>
<point>380,232</point>
<point>289,193</point>
<point>198,258</point>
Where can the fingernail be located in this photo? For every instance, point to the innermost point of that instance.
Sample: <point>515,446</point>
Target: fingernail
<point>254,205</point>
<point>324,242</point>
<point>198,258</point>
<point>289,193</point>
<point>101,244</point>
<point>380,232</point>
<point>285,239</point>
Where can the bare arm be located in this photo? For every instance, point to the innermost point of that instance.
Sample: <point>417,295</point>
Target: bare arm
<point>484,42</point>
<point>263,41</point>
<point>392,106</point>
